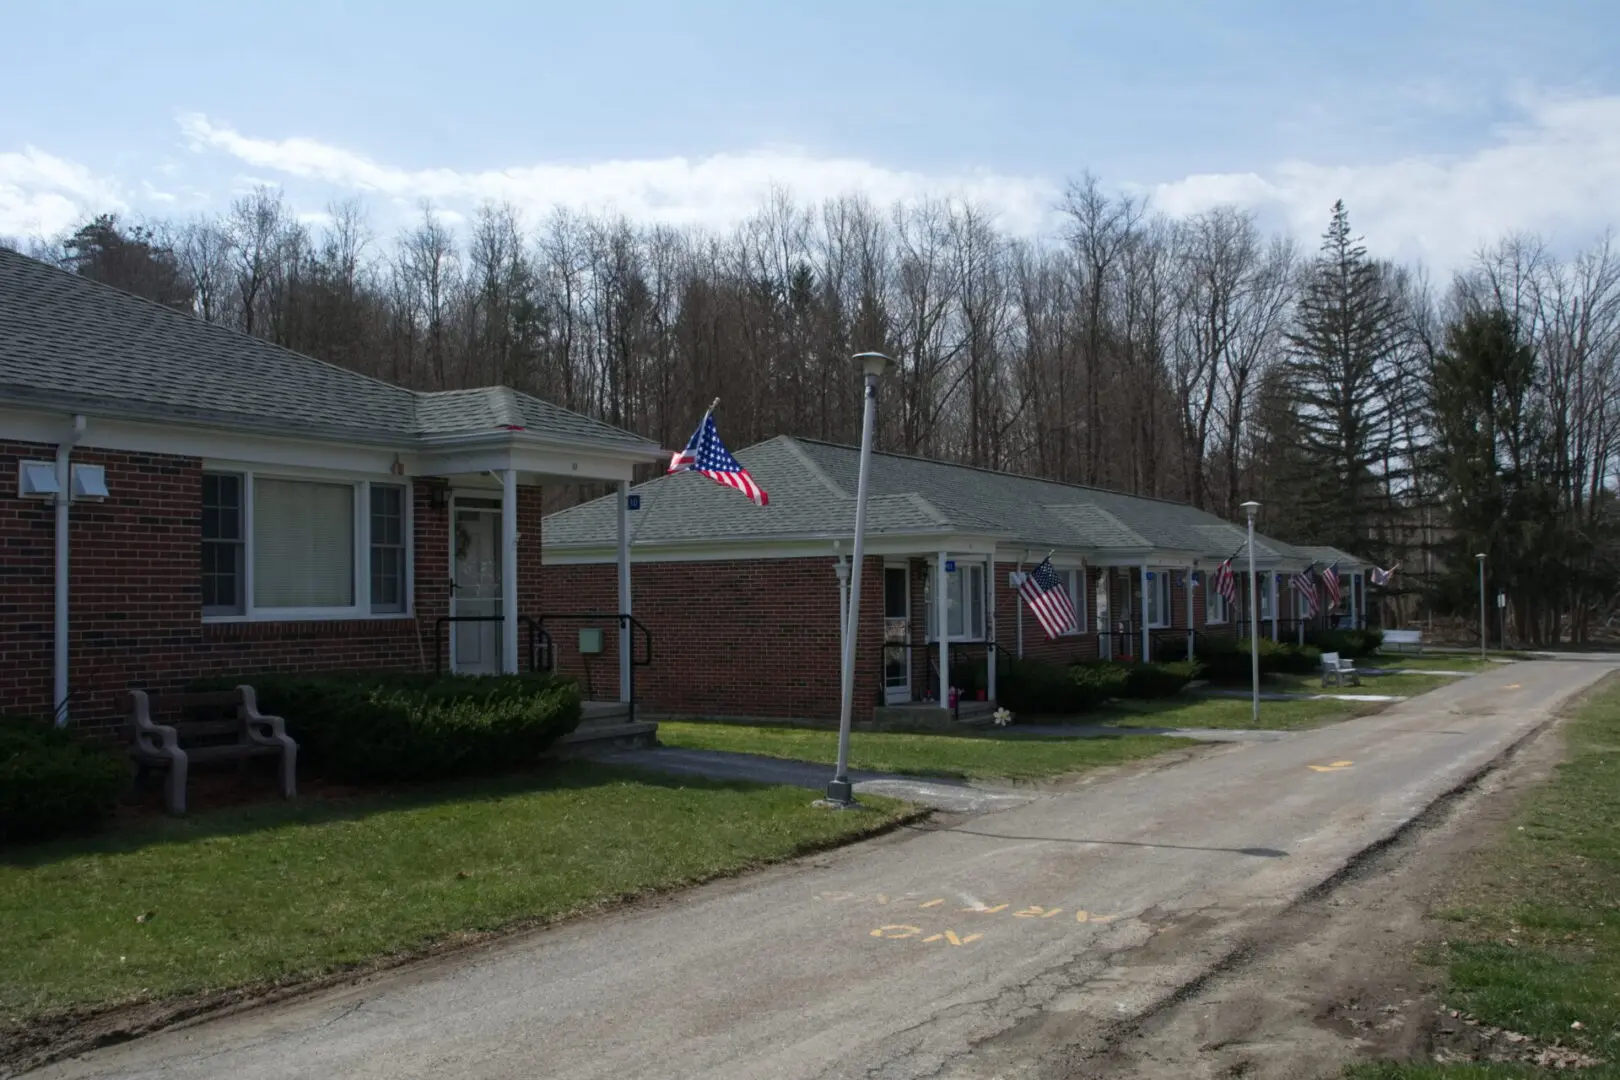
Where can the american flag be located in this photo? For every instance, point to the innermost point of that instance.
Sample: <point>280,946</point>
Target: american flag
<point>1304,585</point>
<point>1376,576</point>
<point>1330,582</point>
<point>1225,583</point>
<point>705,453</point>
<point>1048,598</point>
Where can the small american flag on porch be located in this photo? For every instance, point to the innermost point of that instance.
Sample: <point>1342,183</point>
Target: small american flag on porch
<point>1048,599</point>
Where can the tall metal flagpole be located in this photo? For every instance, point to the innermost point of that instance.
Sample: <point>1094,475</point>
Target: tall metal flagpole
<point>1481,558</point>
<point>1252,508</point>
<point>840,792</point>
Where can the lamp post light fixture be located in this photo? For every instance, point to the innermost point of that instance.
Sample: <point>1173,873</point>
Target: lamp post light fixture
<point>1252,508</point>
<point>1481,557</point>
<point>872,366</point>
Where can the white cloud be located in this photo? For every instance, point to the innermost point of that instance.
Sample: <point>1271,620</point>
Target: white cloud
<point>41,194</point>
<point>712,191</point>
<point>1553,171</point>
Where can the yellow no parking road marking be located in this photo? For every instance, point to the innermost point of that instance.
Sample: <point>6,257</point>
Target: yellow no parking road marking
<point>1514,686</point>
<point>1335,767</point>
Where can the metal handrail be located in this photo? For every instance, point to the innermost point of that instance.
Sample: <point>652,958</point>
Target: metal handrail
<point>625,621</point>
<point>445,620</point>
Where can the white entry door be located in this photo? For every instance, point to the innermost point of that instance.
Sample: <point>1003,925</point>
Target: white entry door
<point>475,554</point>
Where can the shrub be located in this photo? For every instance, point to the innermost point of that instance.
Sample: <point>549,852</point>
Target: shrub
<point>52,782</point>
<point>1225,659</point>
<point>380,727</point>
<point>1103,679</point>
<point>1351,644</point>
<point>1029,686</point>
<point>1112,679</point>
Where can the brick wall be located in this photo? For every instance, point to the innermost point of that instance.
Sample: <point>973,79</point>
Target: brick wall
<point>136,594</point>
<point>734,638</point>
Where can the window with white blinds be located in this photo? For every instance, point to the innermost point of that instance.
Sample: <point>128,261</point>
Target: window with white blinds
<point>312,548</point>
<point>303,544</point>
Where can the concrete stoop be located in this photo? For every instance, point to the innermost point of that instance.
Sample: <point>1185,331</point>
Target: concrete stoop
<point>929,716</point>
<point>606,728</point>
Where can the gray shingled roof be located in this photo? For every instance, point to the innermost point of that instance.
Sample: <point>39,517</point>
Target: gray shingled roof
<point>811,487</point>
<point>71,343</point>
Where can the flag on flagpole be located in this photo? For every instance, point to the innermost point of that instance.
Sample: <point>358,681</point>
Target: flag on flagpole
<point>1376,576</point>
<point>1303,584</point>
<point>1330,582</point>
<point>1225,583</point>
<point>706,454</point>
<point>1048,599</point>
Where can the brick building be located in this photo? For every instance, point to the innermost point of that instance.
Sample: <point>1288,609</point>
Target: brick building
<point>182,500</point>
<point>743,602</point>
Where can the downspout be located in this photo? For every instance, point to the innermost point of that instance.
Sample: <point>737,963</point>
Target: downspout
<point>64,494</point>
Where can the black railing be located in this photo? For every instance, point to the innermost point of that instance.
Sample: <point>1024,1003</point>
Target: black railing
<point>951,648</point>
<point>446,620</point>
<point>625,621</point>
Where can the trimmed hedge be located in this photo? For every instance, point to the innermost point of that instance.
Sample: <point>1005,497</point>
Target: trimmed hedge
<point>1029,686</point>
<point>1034,687</point>
<point>374,727</point>
<point>1226,659</point>
<point>1352,644</point>
<point>1115,679</point>
<point>52,782</point>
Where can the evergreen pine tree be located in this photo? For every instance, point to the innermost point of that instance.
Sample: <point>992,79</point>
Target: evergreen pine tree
<point>1347,331</point>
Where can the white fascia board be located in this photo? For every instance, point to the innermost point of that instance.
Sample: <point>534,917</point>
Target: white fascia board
<point>202,441</point>
<point>216,444</point>
<point>544,463</point>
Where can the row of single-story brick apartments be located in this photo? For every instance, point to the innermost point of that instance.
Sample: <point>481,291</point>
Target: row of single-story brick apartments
<point>183,501</point>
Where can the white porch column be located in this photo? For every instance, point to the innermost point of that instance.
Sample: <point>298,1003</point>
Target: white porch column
<point>626,639</point>
<point>1146,652</point>
<point>1105,614</point>
<point>942,623</point>
<point>1355,602</point>
<point>1191,625</point>
<point>1018,610</point>
<point>509,571</point>
<point>994,648</point>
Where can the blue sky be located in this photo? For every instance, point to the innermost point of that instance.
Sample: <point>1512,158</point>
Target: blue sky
<point>1443,123</point>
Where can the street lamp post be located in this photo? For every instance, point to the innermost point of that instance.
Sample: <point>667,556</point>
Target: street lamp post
<point>1481,557</point>
<point>1251,508</point>
<point>872,365</point>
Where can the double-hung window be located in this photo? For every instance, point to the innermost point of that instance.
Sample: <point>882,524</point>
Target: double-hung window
<point>964,603</point>
<point>282,547</point>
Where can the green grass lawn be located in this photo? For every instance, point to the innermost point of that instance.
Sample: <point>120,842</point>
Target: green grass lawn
<point>285,891</point>
<point>1001,755</point>
<point>1532,925</point>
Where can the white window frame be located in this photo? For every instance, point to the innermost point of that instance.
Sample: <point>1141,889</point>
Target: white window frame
<point>931,613</point>
<point>1161,599</point>
<point>361,608</point>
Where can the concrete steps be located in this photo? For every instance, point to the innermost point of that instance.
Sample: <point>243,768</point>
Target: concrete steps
<point>605,727</point>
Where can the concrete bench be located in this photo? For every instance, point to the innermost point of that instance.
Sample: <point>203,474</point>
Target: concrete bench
<point>1337,671</point>
<point>218,726</point>
<point>1404,639</point>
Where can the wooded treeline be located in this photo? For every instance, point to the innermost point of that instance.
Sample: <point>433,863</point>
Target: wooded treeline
<point>1199,359</point>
